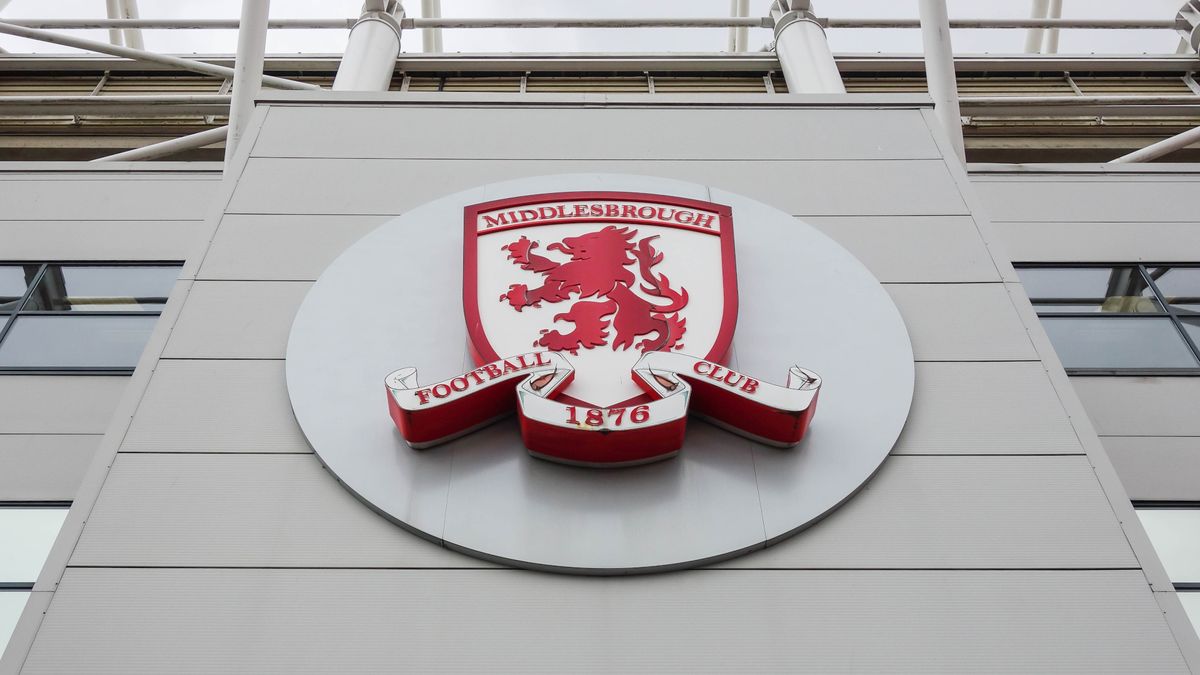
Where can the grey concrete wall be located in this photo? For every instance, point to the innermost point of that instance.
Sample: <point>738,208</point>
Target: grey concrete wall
<point>216,542</point>
<point>1103,214</point>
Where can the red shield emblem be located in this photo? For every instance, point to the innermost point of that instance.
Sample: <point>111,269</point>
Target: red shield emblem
<point>601,277</point>
<point>609,314</point>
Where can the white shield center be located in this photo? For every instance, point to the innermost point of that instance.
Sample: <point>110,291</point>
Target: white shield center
<point>691,261</point>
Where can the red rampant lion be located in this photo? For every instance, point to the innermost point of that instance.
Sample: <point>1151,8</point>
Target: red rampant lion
<point>599,268</point>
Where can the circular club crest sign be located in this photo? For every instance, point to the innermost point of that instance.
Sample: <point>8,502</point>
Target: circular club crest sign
<point>600,373</point>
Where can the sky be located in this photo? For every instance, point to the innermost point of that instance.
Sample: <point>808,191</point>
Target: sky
<point>609,40</point>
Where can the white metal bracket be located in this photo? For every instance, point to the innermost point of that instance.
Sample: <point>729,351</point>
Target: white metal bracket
<point>1189,14</point>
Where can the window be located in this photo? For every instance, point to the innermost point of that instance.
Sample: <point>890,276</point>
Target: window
<point>1174,530</point>
<point>79,317</point>
<point>1120,319</point>
<point>27,531</point>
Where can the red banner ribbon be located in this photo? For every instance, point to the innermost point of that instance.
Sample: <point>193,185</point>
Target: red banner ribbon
<point>564,431</point>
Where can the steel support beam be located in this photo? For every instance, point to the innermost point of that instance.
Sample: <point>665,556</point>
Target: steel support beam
<point>568,22</point>
<point>431,38</point>
<point>692,22</point>
<point>1051,46</point>
<point>3,4</point>
<point>113,8</point>
<point>939,71</point>
<point>1036,36</point>
<point>731,42</point>
<point>804,57</point>
<point>248,70</point>
<point>372,48</point>
<point>165,148</point>
<point>164,104</point>
<point>1161,148</point>
<point>178,24</point>
<point>1090,24</point>
<point>141,55</point>
<point>739,35</point>
<point>133,36</point>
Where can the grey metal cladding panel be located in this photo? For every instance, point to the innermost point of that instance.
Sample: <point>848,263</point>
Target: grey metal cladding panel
<point>385,186</point>
<point>53,404</point>
<point>43,467</point>
<point>215,406</point>
<point>1100,242</point>
<point>962,322</point>
<point>211,510</point>
<point>242,510</point>
<point>895,249</point>
<point>130,197</point>
<point>251,319</point>
<point>1141,406</point>
<point>914,249</point>
<point>101,239</point>
<point>986,408</point>
<point>1157,468</point>
<point>232,319</point>
<point>964,512</point>
<point>958,408</point>
<point>592,133</point>
<point>1130,199</point>
<point>247,246</point>
<point>355,621</point>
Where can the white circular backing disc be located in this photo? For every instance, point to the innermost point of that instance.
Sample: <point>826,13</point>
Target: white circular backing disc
<point>394,299</point>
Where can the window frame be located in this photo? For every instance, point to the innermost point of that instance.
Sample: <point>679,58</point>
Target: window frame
<point>8,320</point>
<point>1167,312</point>
<point>19,504</point>
<point>26,587</point>
<point>1151,505</point>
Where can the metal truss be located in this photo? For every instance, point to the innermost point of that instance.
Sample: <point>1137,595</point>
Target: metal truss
<point>125,41</point>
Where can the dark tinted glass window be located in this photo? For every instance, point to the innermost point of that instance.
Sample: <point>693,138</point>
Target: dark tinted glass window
<point>1118,343</point>
<point>47,342</point>
<point>1180,287</point>
<point>1088,289</point>
<point>102,288</point>
<point>1111,318</point>
<point>79,317</point>
<point>1191,325</point>
<point>14,281</point>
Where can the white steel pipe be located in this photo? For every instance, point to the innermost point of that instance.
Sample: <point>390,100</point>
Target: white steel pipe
<point>724,22</point>
<point>3,4</point>
<point>133,36</point>
<point>248,69</point>
<point>1161,148</point>
<point>141,55</point>
<point>567,22</point>
<point>371,51</point>
<point>431,38</point>
<point>731,43</point>
<point>165,148</point>
<point>742,33</point>
<point>804,57</point>
<point>939,71</point>
<point>1091,24</point>
<point>1052,34</point>
<point>1035,36</point>
<point>113,8</point>
<point>177,24</point>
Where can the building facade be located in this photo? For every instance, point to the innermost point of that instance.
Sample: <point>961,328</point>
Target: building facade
<point>1052,443</point>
